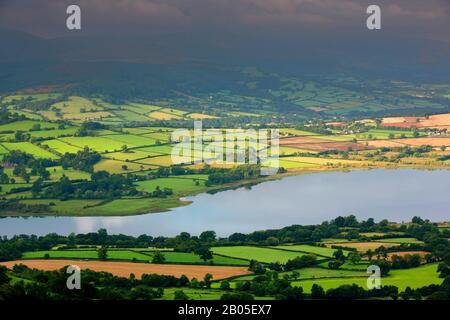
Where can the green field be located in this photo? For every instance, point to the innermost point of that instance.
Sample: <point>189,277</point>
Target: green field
<point>314,273</point>
<point>257,253</point>
<point>400,240</point>
<point>361,266</point>
<point>177,184</point>
<point>61,147</point>
<point>30,148</point>
<point>131,140</point>
<point>7,187</point>
<point>57,172</point>
<point>99,144</point>
<point>140,255</point>
<point>413,278</point>
<point>119,207</point>
<point>321,251</point>
<point>86,254</point>
<point>26,125</point>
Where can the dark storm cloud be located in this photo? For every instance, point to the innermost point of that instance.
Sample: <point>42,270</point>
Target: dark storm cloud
<point>429,19</point>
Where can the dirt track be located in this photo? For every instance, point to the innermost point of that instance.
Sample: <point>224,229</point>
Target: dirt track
<point>124,269</point>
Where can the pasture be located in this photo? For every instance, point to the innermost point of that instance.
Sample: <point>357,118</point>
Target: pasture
<point>116,166</point>
<point>178,184</point>
<point>364,246</point>
<point>413,278</point>
<point>257,253</point>
<point>321,251</point>
<point>99,144</point>
<point>30,148</point>
<point>86,254</point>
<point>314,273</point>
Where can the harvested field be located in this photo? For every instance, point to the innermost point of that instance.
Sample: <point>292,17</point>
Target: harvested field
<point>124,269</point>
<point>437,120</point>
<point>384,143</point>
<point>404,253</point>
<point>435,142</point>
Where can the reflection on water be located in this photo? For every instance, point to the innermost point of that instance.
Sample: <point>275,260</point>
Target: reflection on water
<point>396,195</point>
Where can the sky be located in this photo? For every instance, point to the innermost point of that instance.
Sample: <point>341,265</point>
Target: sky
<point>266,19</point>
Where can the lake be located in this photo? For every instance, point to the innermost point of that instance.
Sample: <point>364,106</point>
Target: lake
<point>397,195</point>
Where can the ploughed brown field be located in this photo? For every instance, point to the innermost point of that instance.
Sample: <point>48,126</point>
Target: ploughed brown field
<point>384,143</point>
<point>395,143</point>
<point>124,269</point>
<point>439,121</point>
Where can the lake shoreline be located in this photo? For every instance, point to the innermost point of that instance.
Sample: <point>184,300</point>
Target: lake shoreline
<point>180,200</point>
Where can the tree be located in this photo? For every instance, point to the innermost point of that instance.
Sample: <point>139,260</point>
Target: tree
<point>103,253</point>
<point>3,275</point>
<point>369,254</point>
<point>225,285</point>
<point>354,257</point>
<point>207,236</point>
<point>339,255</point>
<point>37,186</point>
<point>204,253</point>
<point>335,264</point>
<point>256,267</point>
<point>158,257</point>
<point>180,295</point>
<point>317,292</point>
<point>207,279</point>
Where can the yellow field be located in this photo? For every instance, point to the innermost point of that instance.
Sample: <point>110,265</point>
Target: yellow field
<point>86,115</point>
<point>159,161</point>
<point>75,104</point>
<point>115,166</point>
<point>200,116</point>
<point>323,161</point>
<point>158,115</point>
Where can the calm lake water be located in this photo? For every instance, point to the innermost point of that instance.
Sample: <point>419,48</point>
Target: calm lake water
<point>397,195</point>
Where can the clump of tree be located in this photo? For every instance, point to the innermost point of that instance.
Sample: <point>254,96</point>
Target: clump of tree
<point>102,185</point>
<point>82,160</point>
